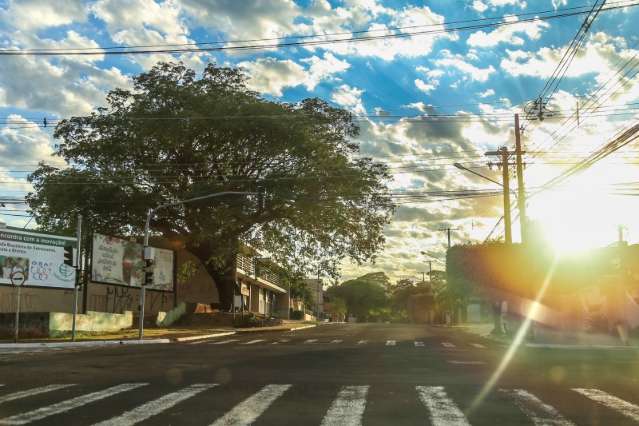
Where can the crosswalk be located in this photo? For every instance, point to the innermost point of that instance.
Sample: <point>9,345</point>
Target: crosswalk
<point>348,404</point>
<point>338,341</point>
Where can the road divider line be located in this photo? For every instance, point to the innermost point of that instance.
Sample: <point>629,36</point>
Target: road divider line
<point>478,345</point>
<point>32,392</point>
<point>443,411</point>
<point>391,342</point>
<point>348,408</point>
<point>156,406</point>
<point>448,345</point>
<point>419,344</point>
<point>252,342</point>
<point>336,341</point>
<point>457,362</point>
<point>69,404</point>
<point>362,342</point>
<point>224,342</point>
<point>617,404</point>
<point>247,411</point>
<point>310,341</point>
<point>540,413</point>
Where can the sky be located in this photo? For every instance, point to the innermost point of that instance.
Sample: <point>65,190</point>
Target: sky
<point>480,76</point>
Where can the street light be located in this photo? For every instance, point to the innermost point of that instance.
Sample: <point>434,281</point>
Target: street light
<point>147,253</point>
<point>460,167</point>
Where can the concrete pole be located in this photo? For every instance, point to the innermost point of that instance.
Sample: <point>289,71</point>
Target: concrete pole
<point>147,226</point>
<point>521,190</point>
<point>16,333</point>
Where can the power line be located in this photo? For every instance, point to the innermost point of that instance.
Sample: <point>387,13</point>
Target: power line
<point>253,47</point>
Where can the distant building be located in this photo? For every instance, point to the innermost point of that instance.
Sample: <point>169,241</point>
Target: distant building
<point>316,288</point>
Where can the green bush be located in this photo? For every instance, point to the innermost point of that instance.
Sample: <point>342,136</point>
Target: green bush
<point>297,315</point>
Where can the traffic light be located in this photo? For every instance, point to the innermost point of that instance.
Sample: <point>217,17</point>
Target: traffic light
<point>69,258</point>
<point>148,272</point>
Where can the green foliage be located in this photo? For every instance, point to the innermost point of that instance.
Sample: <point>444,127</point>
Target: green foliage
<point>174,136</point>
<point>364,296</point>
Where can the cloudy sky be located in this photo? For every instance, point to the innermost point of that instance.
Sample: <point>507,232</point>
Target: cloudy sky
<point>478,78</point>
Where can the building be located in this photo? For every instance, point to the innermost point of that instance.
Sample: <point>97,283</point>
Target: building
<point>316,287</point>
<point>259,287</point>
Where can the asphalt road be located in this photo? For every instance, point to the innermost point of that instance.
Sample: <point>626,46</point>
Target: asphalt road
<point>335,374</point>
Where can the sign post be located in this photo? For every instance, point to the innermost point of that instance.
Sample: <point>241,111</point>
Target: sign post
<point>17,278</point>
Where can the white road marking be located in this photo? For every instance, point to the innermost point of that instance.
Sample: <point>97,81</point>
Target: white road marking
<point>310,340</point>
<point>156,406</point>
<point>247,411</point>
<point>478,345</point>
<point>69,404</point>
<point>337,341</point>
<point>443,411</point>
<point>224,342</point>
<point>285,340</point>
<point>466,362</point>
<point>391,342</point>
<point>362,342</point>
<point>31,392</point>
<point>448,345</point>
<point>612,402</point>
<point>418,344</point>
<point>252,342</point>
<point>540,413</point>
<point>348,408</point>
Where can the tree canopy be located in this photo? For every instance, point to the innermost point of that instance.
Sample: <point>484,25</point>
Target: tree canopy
<point>174,136</point>
<point>364,296</point>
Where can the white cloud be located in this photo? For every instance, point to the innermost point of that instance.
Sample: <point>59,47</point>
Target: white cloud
<point>424,87</point>
<point>508,34</point>
<point>487,93</point>
<point>456,61</point>
<point>479,6</point>
<point>272,76</point>
<point>37,14</point>
<point>349,98</point>
<point>24,142</point>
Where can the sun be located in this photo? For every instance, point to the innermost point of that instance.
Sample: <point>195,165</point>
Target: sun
<point>582,214</point>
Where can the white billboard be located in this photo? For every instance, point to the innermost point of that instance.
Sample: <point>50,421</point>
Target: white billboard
<point>121,262</point>
<point>40,257</point>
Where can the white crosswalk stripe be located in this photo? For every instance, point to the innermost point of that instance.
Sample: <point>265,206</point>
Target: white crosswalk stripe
<point>540,413</point>
<point>448,345</point>
<point>252,342</point>
<point>478,345</point>
<point>418,344</point>
<point>391,342</point>
<point>310,340</point>
<point>224,342</point>
<point>64,406</point>
<point>362,342</point>
<point>443,411</point>
<point>32,392</point>
<point>247,411</point>
<point>156,406</point>
<point>337,341</point>
<point>348,408</point>
<point>617,404</point>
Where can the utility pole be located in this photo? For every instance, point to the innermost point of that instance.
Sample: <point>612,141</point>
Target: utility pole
<point>521,190</point>
<point>505,154</point>
<point>78,269</point>
<point>430,271</point>
<point>448,230</point>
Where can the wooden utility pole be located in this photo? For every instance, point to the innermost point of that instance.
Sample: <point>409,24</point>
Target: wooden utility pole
<point>505,154</point>
<point>521,190</point>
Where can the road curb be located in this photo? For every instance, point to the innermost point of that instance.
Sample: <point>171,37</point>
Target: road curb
<point>202,336</point>
<point>80,344</point>
<point>303,327</point>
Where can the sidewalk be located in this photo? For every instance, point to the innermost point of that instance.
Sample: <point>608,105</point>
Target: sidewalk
<point>151,335</point>
<point>553,339</point>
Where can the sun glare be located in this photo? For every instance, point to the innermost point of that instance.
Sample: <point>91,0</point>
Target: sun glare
<point>581,215</point>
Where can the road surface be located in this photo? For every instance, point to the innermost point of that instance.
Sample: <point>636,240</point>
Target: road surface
<point>335,374</point>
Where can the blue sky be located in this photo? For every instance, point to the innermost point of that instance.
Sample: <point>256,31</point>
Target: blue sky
<point>483,71</point>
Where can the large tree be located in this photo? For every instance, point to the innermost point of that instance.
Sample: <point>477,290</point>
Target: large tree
<point>173,136</point>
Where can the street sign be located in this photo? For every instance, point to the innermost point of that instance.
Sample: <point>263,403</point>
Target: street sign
<point>18,277</point>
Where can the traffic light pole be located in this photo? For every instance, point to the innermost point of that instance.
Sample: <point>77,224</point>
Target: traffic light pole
<point>147,253</point>
<point>78,268</point>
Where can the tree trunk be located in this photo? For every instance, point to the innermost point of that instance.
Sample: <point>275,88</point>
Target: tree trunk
<point>222,269</point>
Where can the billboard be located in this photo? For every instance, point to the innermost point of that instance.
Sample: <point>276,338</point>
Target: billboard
<point>120,262</point>
<point>40,257</point>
